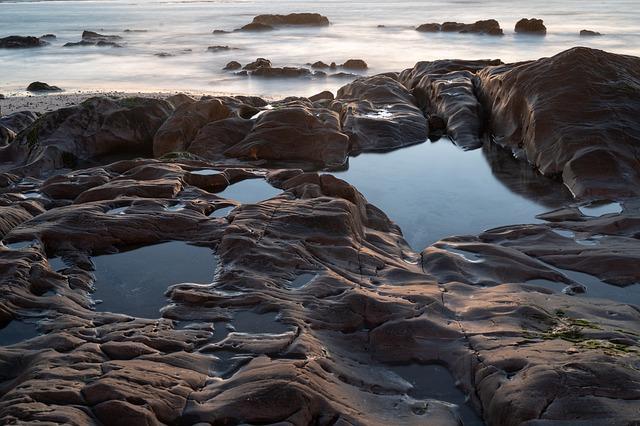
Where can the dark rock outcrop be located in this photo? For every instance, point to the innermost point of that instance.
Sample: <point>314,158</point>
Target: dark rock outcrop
<point>96,37</point>
<point>38,86</point>
<point>530,26</point>
<point>306,19</point>
<point>489,26</point>
<point>380,114</point>
<point>232,66</point>
<point>96,128</point>
<point>281,72</point>
<point>589,33</point>
<point>256,26</point>
<point>355,64</point>
<point>571,118</point>
<point>21,42</point>
<point>258,63</point>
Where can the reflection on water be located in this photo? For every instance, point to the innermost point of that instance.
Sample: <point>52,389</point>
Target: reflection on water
<point>17,331</point>
<point>134,282</point>
<point>249,191</point>
<point>436,190</point>
<point>435,382</point>
<point>183,29</point>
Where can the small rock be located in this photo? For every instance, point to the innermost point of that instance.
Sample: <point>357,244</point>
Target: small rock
<point>531,26</point>
<point>38,86</point>
<point>429,28</point>
<point>79,44</point>
<point>217,48</point>
<point>258,63</point>
<point>93,36</point>
<point>254,26</point>
<point>355,64</point>
<point>1,96</point>
<point>589,33</point>
<point>20,42</point>
<point>48,37</point>
<point>319,65</point>
<point>105,43</point>
<point>220,32</point>
<point>233,65</point>
<point>284,72</point>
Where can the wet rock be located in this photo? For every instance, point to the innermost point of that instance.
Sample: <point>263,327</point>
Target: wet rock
<point>530,26</point>
<point>220,32</point>
<point>48,37</point>
<point>320,65</point>
<point>489,26</point>
<point>232,66</point>
<point>355,64</point>
<point>86,132</point>
<point>589,33</point>
<point>566,116</point>
<point>186,121</point>
<point>38,86</point>
<point>107,43</point>
<point>256,26</point>
<point>326,95</point>
<point>307,19</point>
<point>18,121</point>
<point>21,42</point>
<point>295,133</point>
<point>379,113</point>
<point>258,63</point>
<point>346,75</point>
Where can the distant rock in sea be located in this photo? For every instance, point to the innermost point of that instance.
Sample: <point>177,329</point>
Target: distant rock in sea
<point>38,86</point>
<point>308,19</point>
<point>488,26</point>
<point>531,26</point>
<point>21,42</point>
<point>233,65</point>
<point>589,33</point>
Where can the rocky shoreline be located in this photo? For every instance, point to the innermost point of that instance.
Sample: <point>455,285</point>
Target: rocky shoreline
<point>319,312</point>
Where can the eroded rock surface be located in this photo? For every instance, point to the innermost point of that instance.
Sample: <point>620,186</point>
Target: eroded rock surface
<point>571,118</point>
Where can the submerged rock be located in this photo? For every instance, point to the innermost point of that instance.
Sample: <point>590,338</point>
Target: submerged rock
<point>256,26</point>
<point>530,26</point>
<point>38,86</point>
<point>589,33</point>
<point>218,48</point>
<point>96,37</point>
<point>258,63</point>
<point>571,118</point>
<point>232,66</point>
<point>284,72</point>
<point>21,42</point>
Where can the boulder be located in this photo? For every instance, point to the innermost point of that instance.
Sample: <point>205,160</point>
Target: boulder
<point>589,33</point>
<point>319,65</point>
<point>326,95</point>
<point>21,42</point>
<point>256,26</point>
<point>232,66</point>
<point>573,115</point>
<point>38,86</point>
<point>307,19</point>
<point>531,26</point>
<point>96,128</point>
<point>292,134</point>
<point>181,128</point>
<point>258,63</point>
<point>355,64</point>
<point>379,113</point>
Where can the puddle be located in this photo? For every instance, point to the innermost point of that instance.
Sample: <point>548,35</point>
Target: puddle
<point>20,244</point>
<point>205,172</point>
<point>33,195</point>
<point>599,209</point>
<point>466,255</point>
<point>249,191</point>
<point>134,282</point>
<point>118,211</point>
<point>222,212</point>
<point>176,207</point>
<point>254,323</point>
<point>595,287</point>
<point>435,382</point>
<point>429,191</point>
<point>301,281</point>
<point>17,331</point>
